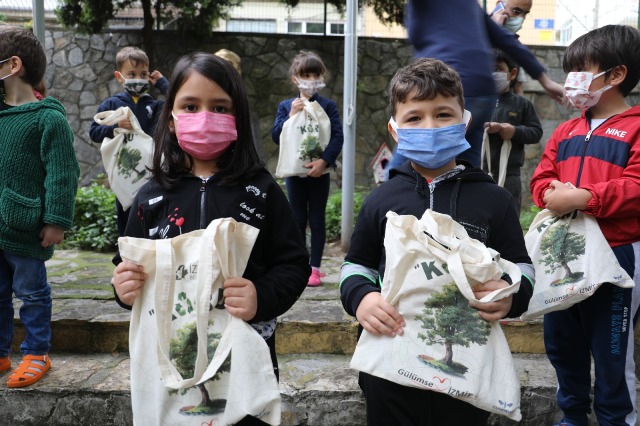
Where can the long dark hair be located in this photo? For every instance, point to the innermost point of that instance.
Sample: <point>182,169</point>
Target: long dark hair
<point>241,160</point>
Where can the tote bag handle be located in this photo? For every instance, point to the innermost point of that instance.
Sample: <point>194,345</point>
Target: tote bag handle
<point>164,300</point>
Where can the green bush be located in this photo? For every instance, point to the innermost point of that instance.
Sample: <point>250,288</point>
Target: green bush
<point>527,215</point>
<point>94,225</point>
<point>334,213</point>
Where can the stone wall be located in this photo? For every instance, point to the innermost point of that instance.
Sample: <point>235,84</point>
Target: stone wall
<point>80,74</point>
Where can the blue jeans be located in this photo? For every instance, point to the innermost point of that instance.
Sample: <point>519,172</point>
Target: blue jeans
<point>308,198</point>
<point>27,278</point>
<point>599,328</point>
<point>481,109</point>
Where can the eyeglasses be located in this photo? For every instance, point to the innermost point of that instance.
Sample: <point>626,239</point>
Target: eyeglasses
<point>516,11</point>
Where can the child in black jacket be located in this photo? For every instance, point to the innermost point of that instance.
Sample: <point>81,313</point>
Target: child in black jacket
<point>515,120</point>
<point>205,167</point>
<point>427,104</point>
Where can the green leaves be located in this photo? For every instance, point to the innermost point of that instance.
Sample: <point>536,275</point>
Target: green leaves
<point>87,16</point>
<point>91,16</point>
<point>333,213</point>
<point>94,225</point>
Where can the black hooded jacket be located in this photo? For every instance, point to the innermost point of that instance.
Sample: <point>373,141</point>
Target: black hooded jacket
<point>279,262</point>
<point>467,194</point>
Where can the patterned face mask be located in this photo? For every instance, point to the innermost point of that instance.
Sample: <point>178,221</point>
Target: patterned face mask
<point>135,86</point>
<point>310,87</point>
<point>577,88</point>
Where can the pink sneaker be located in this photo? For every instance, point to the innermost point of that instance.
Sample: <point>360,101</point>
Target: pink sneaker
<point>314,278</point>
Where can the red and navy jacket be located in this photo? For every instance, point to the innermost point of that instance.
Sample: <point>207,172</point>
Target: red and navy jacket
<point>606,162</point>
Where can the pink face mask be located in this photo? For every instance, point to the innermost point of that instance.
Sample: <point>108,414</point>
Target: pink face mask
<point>577,89</point>
<point>205,135</point>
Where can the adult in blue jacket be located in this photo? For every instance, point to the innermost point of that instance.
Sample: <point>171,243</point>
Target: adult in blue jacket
<point>461,34</point>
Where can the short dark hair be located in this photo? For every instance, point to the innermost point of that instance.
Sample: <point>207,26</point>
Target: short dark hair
<point>241,160</point>
<point>500,56</point>
<point>306,62</point>
<point>20,42</point>
<point>423,79</point>
<point>607,47</point>
<point>132,54</point>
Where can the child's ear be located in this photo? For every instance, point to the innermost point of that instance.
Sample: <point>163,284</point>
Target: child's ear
<point>618,74</point>
<point>512,74</point>
<point>392,129</point>
<point>15,65</point>
<point>171,124</point>
<point>118,76</point>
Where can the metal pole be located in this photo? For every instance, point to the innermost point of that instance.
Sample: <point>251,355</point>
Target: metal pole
<point>38,19</point>
<point>349,122</point>
<point>325,17</point>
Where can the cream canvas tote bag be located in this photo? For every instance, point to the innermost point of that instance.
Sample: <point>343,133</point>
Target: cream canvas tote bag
<point>126,156</point>
<point>192,363</point>
<point>431,267</point>
<point>571,258</point>
<point>303,139</point>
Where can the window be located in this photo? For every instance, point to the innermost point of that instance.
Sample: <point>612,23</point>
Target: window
<point>315,28</point>
<point>336,28</point>
<point>251,25</point>
<point>297,27</point>
<point>294,27</point>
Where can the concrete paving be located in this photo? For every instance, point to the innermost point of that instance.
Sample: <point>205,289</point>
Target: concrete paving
<point>89,381</point>
<point>316,390</point>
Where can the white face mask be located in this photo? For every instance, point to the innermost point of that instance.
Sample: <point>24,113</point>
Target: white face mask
<point>514,23</point>
<point>8,75</point>
<point>577,89</point>
<point>501,79</point>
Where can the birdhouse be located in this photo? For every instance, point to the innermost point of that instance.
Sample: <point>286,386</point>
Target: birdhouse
<point>380,162</point>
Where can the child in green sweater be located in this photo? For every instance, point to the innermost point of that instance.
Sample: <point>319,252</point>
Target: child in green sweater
<point>38,182</point>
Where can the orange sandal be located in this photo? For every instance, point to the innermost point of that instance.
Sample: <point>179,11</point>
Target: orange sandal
<point>30,370</point>
<point>5,363</point>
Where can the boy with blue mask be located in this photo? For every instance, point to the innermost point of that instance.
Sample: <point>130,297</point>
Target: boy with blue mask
<point>133,73</point>
<point>592,163</point>
<point>428,108</point>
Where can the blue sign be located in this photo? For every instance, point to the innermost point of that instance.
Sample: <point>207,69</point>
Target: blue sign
<point>543,24</point>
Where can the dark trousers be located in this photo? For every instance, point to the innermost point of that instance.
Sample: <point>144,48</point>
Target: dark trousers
<point>481,109</point>
<point>389,403</point>
<point>122,216</point>
<point>308,198</point>
<point>601,327</point>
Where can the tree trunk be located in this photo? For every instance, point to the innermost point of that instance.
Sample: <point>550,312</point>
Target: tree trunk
<point>567,271</point>
<point>147,30</point>
<point>448,354</point>
<point>206,401</point>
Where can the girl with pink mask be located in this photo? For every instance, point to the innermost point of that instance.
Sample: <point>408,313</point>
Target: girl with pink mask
<point>308,194</point>
<point>206,167</point>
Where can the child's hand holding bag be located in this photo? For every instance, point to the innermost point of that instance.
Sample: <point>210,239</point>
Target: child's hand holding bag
<point>431,270</point>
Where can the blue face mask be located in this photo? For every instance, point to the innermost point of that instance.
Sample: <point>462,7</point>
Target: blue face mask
<point>432,148</point>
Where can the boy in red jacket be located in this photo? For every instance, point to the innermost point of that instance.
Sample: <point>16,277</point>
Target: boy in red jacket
<point>592,163</point>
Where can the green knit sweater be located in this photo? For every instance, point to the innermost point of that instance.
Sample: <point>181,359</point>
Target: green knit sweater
<point>38,175</point>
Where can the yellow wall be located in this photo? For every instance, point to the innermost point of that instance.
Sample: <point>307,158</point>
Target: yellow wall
<point>541,9</point>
